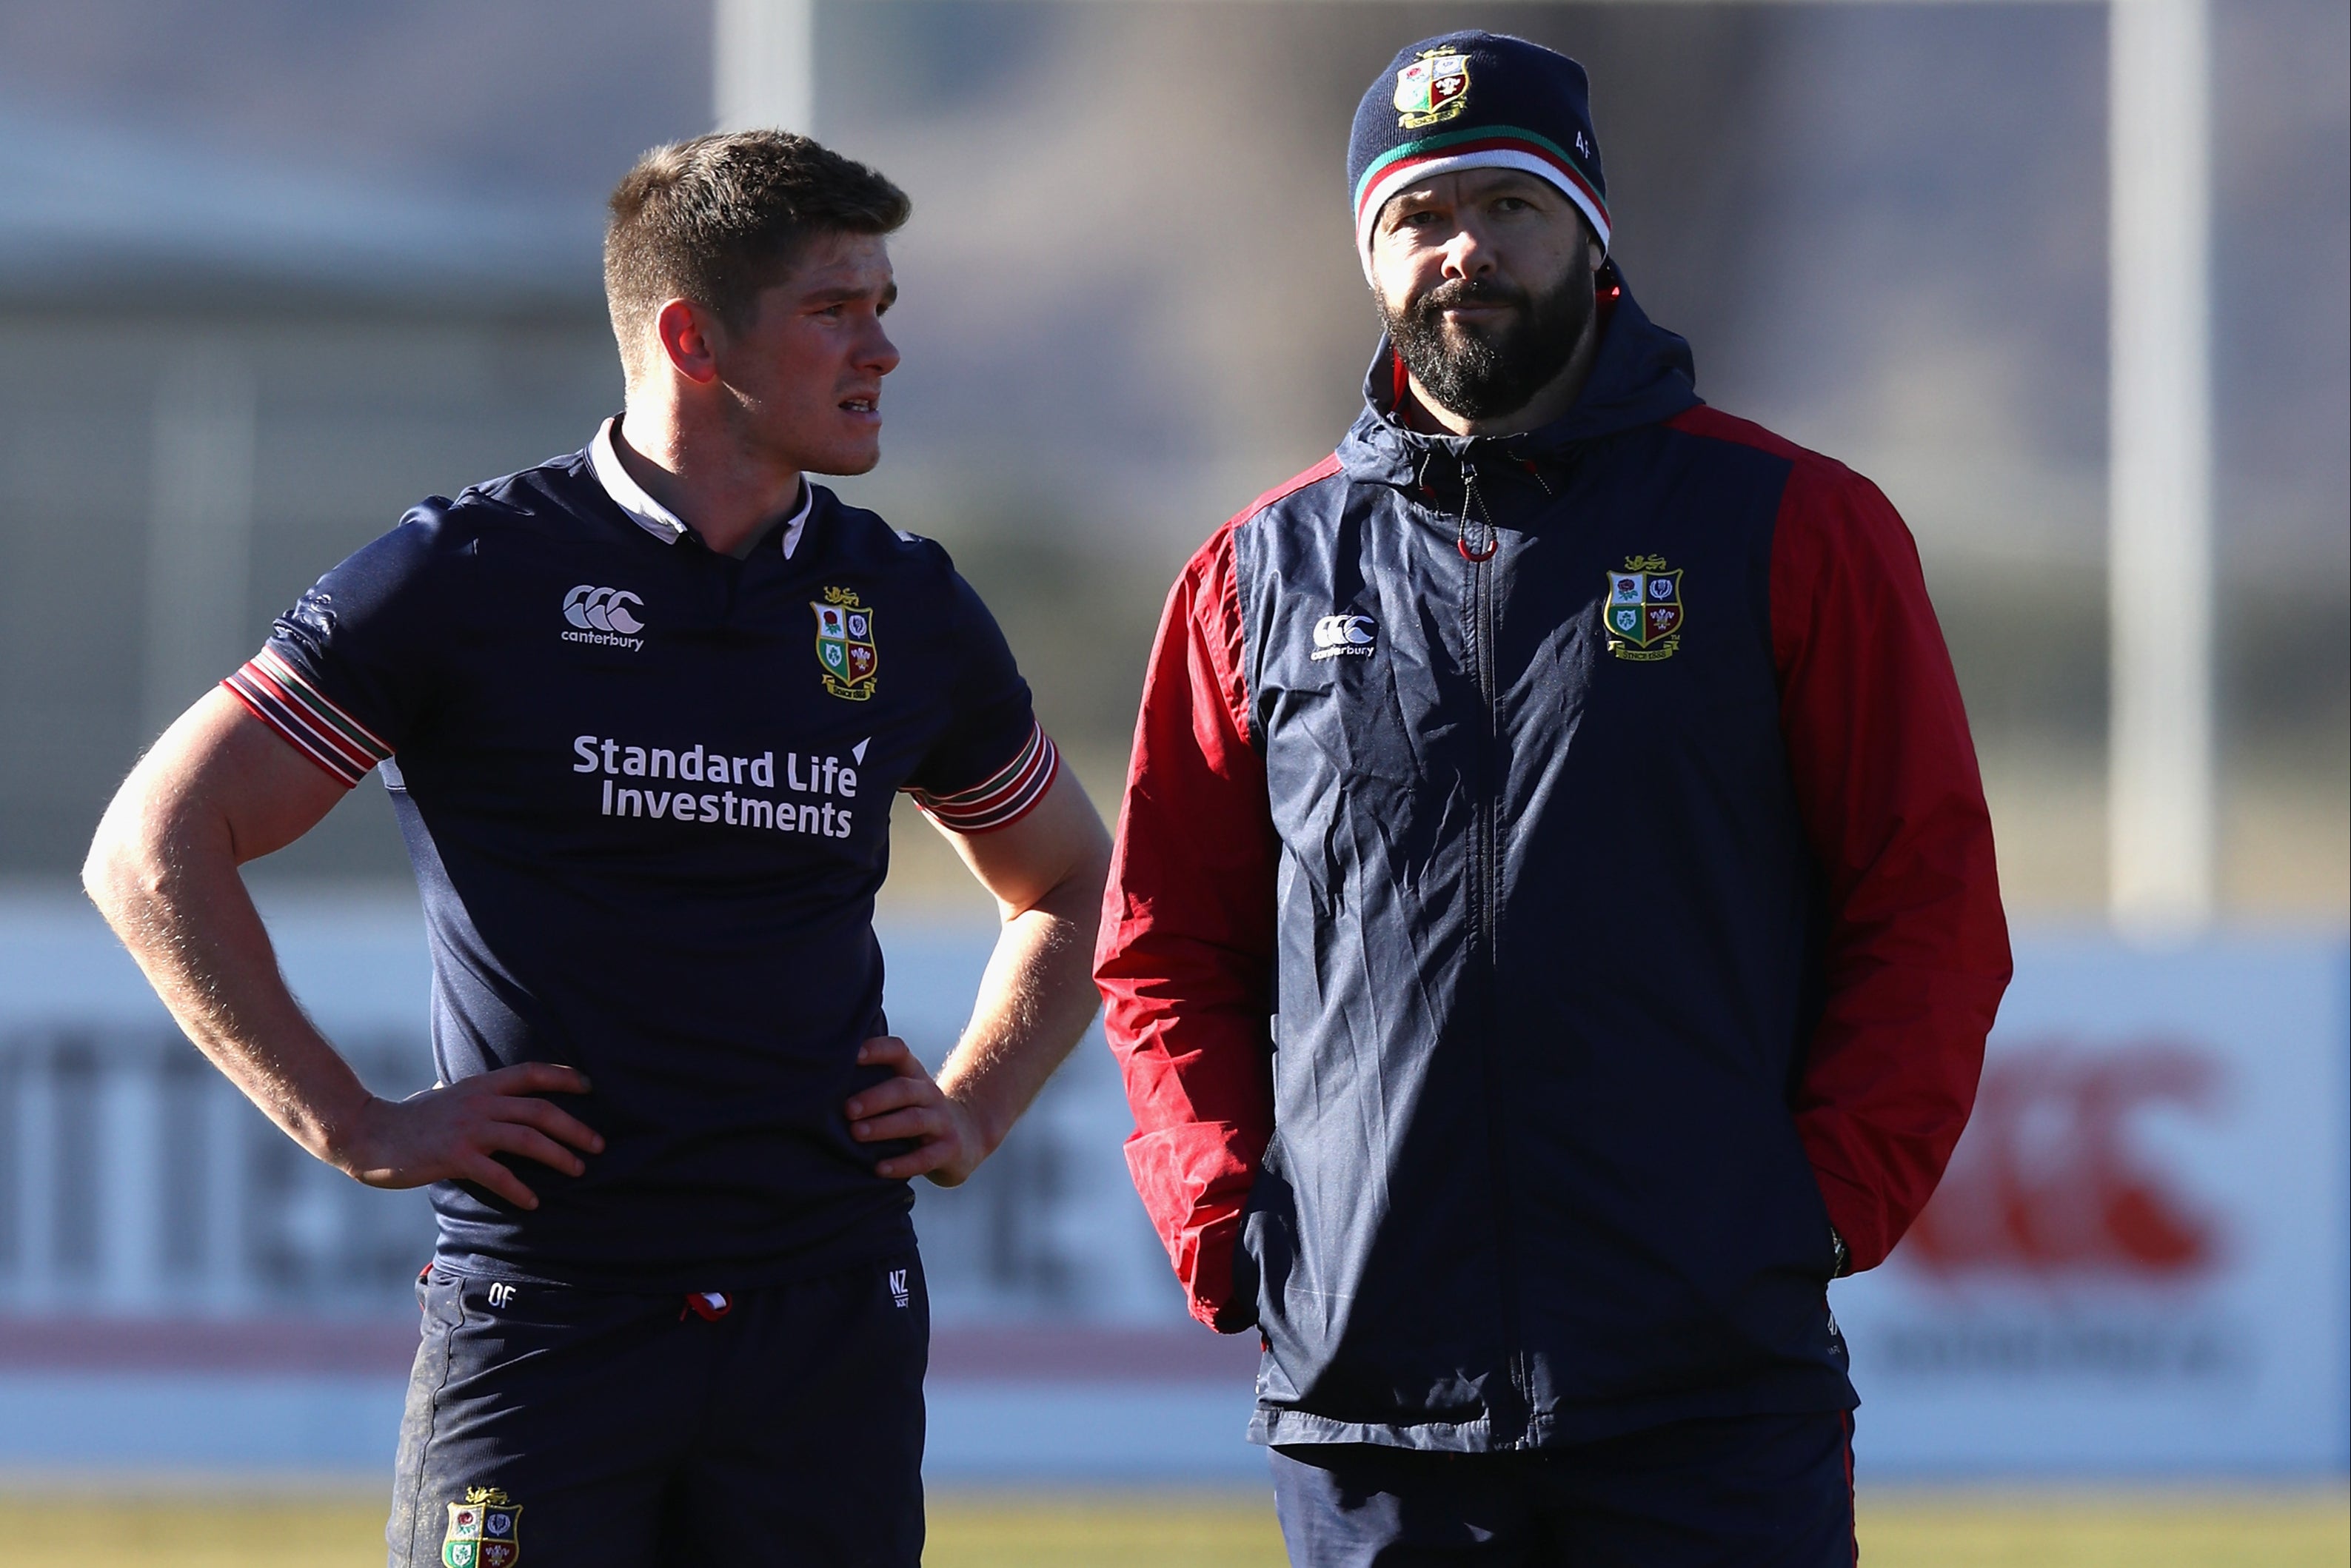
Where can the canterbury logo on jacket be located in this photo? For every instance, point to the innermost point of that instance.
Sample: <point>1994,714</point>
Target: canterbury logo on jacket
<point>1510,1005</point>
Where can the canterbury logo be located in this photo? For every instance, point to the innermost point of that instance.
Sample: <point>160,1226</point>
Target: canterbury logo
<point>594,609</point>
<point>1344,636</point>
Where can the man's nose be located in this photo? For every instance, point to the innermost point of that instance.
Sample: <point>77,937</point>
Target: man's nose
<point>879,355</point>
<point>1467,255</point>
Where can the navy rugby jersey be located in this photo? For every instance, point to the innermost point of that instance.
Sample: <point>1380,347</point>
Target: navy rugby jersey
<point>646,789</point>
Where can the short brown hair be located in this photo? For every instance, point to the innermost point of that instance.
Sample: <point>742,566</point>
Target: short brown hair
<point>718,218</point>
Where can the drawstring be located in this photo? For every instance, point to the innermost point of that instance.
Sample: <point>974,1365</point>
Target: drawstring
<point>1461,531</point>
<point>1489,539</point>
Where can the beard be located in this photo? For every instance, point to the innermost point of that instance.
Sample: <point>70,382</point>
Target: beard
<point>1497,368</point>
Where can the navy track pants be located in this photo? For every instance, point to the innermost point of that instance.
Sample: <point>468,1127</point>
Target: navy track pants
<point>1753,1492</point>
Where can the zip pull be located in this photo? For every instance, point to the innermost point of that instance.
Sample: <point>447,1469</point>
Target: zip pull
<point>708,1306</point>
<point>1461,530</point>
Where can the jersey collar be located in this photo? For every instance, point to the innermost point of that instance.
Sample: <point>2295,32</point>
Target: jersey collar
<point>651,515</point>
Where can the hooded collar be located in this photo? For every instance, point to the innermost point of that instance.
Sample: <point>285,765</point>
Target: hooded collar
<point>1643,374</point>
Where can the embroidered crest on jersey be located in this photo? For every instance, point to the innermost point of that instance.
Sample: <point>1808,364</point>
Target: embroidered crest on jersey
<point>844,644</point>
<point>1433,89</point>
<point>485,1531</point>
<point>1642,611</point>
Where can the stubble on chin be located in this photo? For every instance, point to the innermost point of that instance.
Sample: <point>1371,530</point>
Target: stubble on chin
<point>755,432</point>
<point>1487,372</point>
<point>864,462</point>
<point>854,453</point>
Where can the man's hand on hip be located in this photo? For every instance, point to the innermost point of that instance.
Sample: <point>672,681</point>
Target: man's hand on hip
<point>1045,871</point>
<point>912,1106</point>
<point>453,1131</point>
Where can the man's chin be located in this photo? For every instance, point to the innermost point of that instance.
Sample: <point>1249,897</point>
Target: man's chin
<point>1480,409</point>
<point>847,463</point>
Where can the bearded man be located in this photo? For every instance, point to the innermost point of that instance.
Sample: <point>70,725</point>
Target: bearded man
<point>1553,929</point>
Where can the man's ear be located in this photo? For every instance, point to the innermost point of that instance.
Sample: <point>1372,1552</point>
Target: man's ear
<point>691,337</point>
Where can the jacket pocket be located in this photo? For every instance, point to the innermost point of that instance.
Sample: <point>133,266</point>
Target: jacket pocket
<point>1266,1253</point>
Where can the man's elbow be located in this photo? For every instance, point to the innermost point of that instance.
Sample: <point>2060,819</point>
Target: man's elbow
<point>98,872</point>
<point>155,830</point>
<point>126,862</point>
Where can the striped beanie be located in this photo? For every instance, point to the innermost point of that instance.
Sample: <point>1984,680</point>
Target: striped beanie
<point>1475,100</point>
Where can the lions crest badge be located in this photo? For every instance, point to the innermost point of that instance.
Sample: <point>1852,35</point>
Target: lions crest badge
<point>1433,89</point>
<point>485,1531</point>
<point>1641,612</point>
<point>844,644</point>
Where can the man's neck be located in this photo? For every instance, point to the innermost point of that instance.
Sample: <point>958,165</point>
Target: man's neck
<point>727,501</point>
<point>1551,402</point>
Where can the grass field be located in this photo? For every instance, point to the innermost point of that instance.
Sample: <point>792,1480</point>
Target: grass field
<point>2308,1529</point>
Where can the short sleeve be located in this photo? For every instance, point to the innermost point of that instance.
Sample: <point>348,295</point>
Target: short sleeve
<point>345,670</point>
<point>992,762</point>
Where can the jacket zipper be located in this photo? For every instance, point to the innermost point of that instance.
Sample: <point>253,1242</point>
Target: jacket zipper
<point>1484,871</point>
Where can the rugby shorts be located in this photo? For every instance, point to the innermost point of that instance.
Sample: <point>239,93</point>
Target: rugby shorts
<point>573,1428</point>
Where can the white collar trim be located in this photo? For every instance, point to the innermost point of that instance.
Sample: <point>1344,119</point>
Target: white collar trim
<point>651,515</point>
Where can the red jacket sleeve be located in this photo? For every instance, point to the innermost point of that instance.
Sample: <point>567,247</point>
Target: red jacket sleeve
<point>1186,955</point>
<point>1915,946</point>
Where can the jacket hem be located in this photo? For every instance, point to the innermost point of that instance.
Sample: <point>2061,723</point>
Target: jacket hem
<point>1812,1393</point>
<point>1280,1426</point>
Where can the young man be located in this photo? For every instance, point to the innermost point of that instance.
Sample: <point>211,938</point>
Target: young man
<point>1575,779</point>
<point>641,711</point>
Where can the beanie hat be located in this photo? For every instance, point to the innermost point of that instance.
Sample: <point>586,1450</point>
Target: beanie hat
<point>1475,100</point>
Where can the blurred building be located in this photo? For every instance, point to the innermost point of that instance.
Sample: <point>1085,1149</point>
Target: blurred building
<point>217,378</point>
<point>1130,305</point>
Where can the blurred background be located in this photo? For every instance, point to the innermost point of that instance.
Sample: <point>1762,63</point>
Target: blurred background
<point>271,272</point>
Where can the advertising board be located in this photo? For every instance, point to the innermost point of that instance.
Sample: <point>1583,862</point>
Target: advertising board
<point>2137,1264</point>
<point>2135,1261</point>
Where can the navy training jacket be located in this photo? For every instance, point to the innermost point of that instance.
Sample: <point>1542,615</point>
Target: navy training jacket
<point>1553,886</point>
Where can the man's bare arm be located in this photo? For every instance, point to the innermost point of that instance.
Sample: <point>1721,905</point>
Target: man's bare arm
<point>221,789</point>
<point>1046,871</point>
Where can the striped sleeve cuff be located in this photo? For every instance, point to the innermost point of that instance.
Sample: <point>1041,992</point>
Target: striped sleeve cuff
<point>280,696</point>
<point>1005,798</point>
